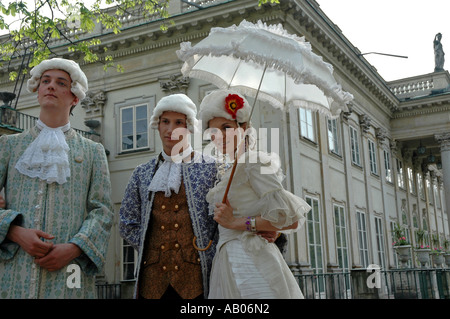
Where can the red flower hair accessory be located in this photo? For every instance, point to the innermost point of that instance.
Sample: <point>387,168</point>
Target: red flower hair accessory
<point>233,102</point>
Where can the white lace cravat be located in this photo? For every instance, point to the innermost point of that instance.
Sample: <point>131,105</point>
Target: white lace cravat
<point>168,176</point>
<point>47,156</point>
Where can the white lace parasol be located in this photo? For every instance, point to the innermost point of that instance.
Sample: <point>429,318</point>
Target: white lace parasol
<point>267,62</point>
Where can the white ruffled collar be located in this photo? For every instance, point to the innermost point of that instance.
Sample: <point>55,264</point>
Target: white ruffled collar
<point>47,156</point>
<point>168,176</point>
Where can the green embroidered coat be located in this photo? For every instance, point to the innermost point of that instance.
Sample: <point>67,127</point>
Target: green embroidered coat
<point>78,211</point>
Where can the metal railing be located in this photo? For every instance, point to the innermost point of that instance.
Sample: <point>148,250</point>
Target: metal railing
<point>325,286</point>
<point>417,283</point>
<point>109,291</point>
<point>16,121</point>
<point>433,283</point>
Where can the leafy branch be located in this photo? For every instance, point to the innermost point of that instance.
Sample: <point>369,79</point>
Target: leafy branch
<point>30,32</point>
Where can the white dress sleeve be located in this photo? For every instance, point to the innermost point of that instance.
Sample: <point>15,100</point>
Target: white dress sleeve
<point>277,205</point>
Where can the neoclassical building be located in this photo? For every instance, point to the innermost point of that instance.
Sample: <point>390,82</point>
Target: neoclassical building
<point>385,162</point>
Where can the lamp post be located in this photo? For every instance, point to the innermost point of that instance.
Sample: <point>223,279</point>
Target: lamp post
<point>421,149</point>
<point>6,97</point>
<point>431,158</point>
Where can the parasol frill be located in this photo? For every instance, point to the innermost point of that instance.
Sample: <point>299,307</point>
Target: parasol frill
<point>267,62</point>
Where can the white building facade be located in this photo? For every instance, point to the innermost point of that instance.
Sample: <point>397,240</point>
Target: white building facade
<point>362,173</point>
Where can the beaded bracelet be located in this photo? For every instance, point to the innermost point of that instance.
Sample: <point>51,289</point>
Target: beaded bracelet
<point>253,224</point>
<point>247,224</point>
<point>250,224</point>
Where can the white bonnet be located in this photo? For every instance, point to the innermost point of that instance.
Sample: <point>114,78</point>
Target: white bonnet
<point>79,79</point>
<point>179,103</point>
<point>217,104</point>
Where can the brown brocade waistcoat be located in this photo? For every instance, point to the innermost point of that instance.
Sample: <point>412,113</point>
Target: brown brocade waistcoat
<point>169,258</point>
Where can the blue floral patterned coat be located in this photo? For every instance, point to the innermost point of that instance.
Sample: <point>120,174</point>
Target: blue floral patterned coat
<point>78,211</point>
<point>199,177</point>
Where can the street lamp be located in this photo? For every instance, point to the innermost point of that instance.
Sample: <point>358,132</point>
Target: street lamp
<point>7,97</point>
<point>431,158</point>
<point>421,149</point>
<point>393,55</point>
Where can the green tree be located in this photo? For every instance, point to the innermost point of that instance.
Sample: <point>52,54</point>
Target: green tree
<point>31,30</point>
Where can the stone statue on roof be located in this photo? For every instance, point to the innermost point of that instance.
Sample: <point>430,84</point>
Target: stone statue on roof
<point>438,53</point>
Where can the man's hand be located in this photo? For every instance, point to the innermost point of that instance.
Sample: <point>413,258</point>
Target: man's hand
<point>30,240</point>
<point>270,236</point>
<point>59,256</point>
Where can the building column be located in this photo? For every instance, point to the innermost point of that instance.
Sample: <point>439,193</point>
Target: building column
<point>444,141</point>
<point>354,261</point>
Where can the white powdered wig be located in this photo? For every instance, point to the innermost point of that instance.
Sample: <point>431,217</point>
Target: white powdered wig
<point>79,79</point>
<point>179,103</point>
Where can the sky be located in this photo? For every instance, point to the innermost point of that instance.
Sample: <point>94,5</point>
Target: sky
<point>399,27</point>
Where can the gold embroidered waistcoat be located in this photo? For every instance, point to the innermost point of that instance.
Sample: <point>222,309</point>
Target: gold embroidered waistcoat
<point>169,257</point>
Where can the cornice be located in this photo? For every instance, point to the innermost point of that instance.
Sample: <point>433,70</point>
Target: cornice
<point>305,16</point>
<point>429,105</point>
<point>421,112</point>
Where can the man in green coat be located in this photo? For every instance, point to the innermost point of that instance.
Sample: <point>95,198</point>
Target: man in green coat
<point>55,226</point>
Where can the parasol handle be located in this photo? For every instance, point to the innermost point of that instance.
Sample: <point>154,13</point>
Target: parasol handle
<point>224,200</point>
<point>201,249</point>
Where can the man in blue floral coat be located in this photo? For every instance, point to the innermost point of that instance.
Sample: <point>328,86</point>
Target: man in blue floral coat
<point>164,209</point>
<point>55,225</point>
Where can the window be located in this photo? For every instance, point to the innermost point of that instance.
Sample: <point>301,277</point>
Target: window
<point>315,241</point>
<point>414,217</point>
<point>306,123</point>
<point>424,219</point>
<point>430,192</point>
<point>380,241</point>
<point>341,237</point>
<point>437,200</point>
<point>404,213</point>
<point>387,166</point>
<point>373,158</point>
<point>420,185</point>
<point>362,239</point>
<point>393,225</point>
<point>426,241</point>
<point>134,128</point>
<point>128,261</point>
<point>333,139</point>
<point>400,178</point>
<point>355,146</point>
<point>411,184</point>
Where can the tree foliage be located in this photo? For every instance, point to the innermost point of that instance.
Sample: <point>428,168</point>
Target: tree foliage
<point>30,31</point>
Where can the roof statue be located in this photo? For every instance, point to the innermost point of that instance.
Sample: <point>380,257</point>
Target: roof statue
<point>438,53</point>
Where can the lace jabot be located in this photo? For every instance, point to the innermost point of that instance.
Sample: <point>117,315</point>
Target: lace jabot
<point>168,176</point>
<point>47,156</point>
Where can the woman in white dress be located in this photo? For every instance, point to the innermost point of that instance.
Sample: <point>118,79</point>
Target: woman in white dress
<point>247,266</point>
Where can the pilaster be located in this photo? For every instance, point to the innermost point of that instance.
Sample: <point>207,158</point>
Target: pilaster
<point>444,141</point>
